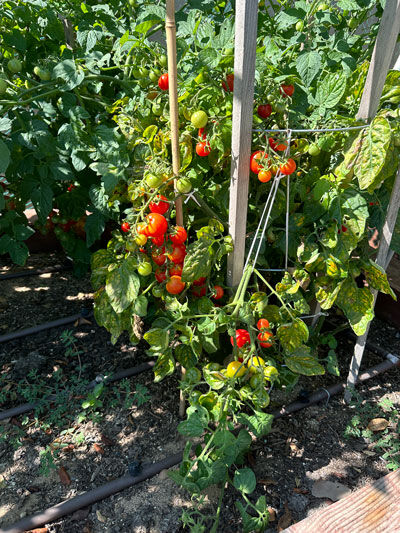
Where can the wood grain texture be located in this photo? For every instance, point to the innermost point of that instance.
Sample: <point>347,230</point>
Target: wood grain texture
<point>243,96</point>
<point>372,509</point>
<point>382,55</point>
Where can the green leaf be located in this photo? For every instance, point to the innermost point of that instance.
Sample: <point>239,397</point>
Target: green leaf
<point>301,362</point>
<point>377,278</point>
<point>94,227</point>
<point>42,199</point>
<point>105,316</point>
<point>260,423</point>
<point>186,151</point>
<point>22,232</point>
<point>331,89</point>
<point>4,157</point>
<point>140,305</point>
<point>18,252</point>
<point>100,262</point>
<point>332,363</point>
<point>196,423</point>
<point>185,356</point>
<point>5,124</point>
<point>308,66</point>
<point>165,366</point>
<point>66,70</point>
<point>292,335</point>
<point>198,261</point>
<point>244,480</point>
<point>123,285</point>
<point>357,304</point>
<point>372,145</point>
<point>157,338</point>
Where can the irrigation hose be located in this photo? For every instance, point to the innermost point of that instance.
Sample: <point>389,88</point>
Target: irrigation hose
<point>121,374</point>
<point>37,272</point>
<point>88,498</point>
<point>41,327</point>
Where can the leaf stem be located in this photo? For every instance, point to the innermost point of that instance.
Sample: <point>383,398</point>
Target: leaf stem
<point>274,292</point>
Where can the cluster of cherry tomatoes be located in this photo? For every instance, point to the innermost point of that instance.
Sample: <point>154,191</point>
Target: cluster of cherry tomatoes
<point>167,251</point>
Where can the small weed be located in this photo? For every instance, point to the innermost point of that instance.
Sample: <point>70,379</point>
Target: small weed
<point>387,442</point>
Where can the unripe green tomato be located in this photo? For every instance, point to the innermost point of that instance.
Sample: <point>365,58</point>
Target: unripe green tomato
<point>353,23</point>
<point>270,373</point>
<point>314,150</point>
<point>300,25</point>
<point>213,367</point>
<point>163,60</point>
<point>322,7</point>
<point>136,73</point>
<point>193,375</point>
<point>144,72</point>
<point>263,398</point>
<point>153,181</point>
<point>157,71</point>
<point>256,381</point>
<point>14,65</point>
<point>194,396</point>
<point>132,3</point>
<point>153,76</point>
<point>270,98</point>
<point>279,107</point>
<point>3,86</point>
<point>45,75</point>
<point>183,185</point>
<point>144,83</point>
<point>228,51</point>
<point>157,291</point>
<point>130,245</point>
<point>199,119</point>
<point>145,268</point>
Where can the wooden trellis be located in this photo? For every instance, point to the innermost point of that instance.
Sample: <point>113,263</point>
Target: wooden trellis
<point>244,73</point>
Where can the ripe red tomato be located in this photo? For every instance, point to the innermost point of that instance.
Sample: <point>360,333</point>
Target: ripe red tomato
<point>125,227</point>
<point>264,336</point>
<point>288,168</point>
<point>203,149</point>
<point>280,147</point>
<point>287,90</point>
<point>202,135</point>
<point>159,205</point>
<point>199,282</point>
<point>264,175</point>
<point>142,229</point>
<point>178,253</point>
<point>176,270</point>
<point>263,323</point>
<point>156,224</point>
<point>179,235</point>
<point>219,292</point>
<point>229,81</point>
<point>344,229</point>
<point>163,82</point>
<point>70,187</point>
<point>160,275</point>
<point>255,157</point>
<point>198,292</point>
<point>242,338</point>
<point>158,241</point>
<point>264,110</point>
<point>175,285</point>
<point>158,256</point>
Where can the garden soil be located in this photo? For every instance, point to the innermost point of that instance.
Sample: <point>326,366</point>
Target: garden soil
<point>301,449</point>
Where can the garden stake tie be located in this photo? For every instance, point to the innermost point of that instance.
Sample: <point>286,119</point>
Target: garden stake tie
<point>170,31</point>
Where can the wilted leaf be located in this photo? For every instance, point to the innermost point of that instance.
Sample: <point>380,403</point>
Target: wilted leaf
<point>285,520</point>
<point>64,476</point>
<point>98,448</point>
<point>378,424</point>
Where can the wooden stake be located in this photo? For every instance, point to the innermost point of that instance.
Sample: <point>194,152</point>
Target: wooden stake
<point>170,30</point>
<point>380,62</point>
<point>242,123</point>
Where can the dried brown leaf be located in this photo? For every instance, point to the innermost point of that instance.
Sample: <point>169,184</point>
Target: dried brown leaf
<point>64,476</point>
<point>378,424</point>
<point>285,520</point>
<point>98,448</point>
<point>106,441</point>
<point>272,514</point>
<point>267,482</point>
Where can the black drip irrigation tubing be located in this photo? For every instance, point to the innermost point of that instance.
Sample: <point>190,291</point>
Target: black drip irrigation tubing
<point>121,374</point>
<point>37,272</point>
<point>88,498</point>
<point>43,327</point>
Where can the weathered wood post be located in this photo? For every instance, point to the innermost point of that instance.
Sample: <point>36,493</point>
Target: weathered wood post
<point>243,101</point>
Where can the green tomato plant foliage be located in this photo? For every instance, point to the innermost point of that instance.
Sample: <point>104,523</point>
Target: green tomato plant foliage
<point>85,138</point>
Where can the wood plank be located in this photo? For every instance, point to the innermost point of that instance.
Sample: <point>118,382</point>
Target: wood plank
<point>382,55</point>
<point>243,100</point>
<point>372,509</point>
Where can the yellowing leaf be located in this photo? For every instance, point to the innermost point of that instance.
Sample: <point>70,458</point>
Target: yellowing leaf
<point>378,424</point>
<point>292,335</point>
<point>357,305</point>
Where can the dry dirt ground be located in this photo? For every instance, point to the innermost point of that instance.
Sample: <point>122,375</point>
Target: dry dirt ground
<point>302,448</point>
